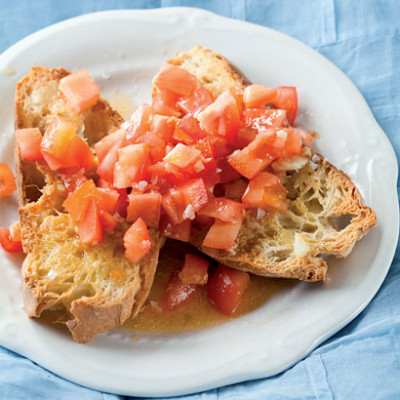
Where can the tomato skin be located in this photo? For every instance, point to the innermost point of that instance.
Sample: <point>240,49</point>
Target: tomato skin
<point>267,192</point>
<point>255,96</point>
<point>90,229</point>
<point>198,100</point>
<point>222,235</point>
<point>7,243</point>
<point>80,90</point>
<point>225,210</point>
<point>147,206</point>
<point>29,141</point>
<point>178,293</point>
<point>7,181</point>
<point>176,80</point>
<point>137,241</point>
<point>286,99</point>
<point>195,270</point>
<point>225,289</point>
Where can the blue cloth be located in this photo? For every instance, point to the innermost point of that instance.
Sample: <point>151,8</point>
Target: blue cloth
<point>362,38</point>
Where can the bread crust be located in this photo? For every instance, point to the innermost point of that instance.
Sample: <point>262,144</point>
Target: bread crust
<point>85,314</point>
<point>255,254</point>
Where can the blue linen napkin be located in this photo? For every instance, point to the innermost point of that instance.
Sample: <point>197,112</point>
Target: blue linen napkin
<point>362,38</point>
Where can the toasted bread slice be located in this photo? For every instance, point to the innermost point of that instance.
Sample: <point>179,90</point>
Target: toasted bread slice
<point>290,244</point>
<point>91,288</point>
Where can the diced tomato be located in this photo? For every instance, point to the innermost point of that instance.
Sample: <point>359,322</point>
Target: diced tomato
<point>138,124</point>
<point>222,117</point>
<point>147,206</point>
<point>224,209</point>
<point>77,202</point>
<point>179,136</point>
<point>195,270</point>
<point>221,147</point>
<point>194,193</point>
<point>80,90</point>
<point>174,205</point>
<point>131,164</point>
<point>258,154</point>
<point>72,178</point>
<point>209,174</point>
<point>7,243</point>
<point>179,231</point>
<point>262,118</point>
<point>256,96</point>
<point>235,190</point>
<point>244,137</point>
<point>286,99</point>
<point>164,103</point>
<point>183,156</point>
<point>222,235</point>
<point>163,126</point>
<point>156,146</point>
<point>164,175</point>
<point>226,172</point>
<point>107,198</point>
<point>226,287</point>
<point>108,221</point>
<point>29,141</point>
<point>294,142</point>
<point>198,100</point>
<point>56,140</point>
<point>307,137</point>
<point>205,147</point>
<point>137,241</point>
<point>176,80</point>
<point>114,140</point>
<point>90,229</point>
<point>15,232</point>
<point>7,181</point>
<point>267,192</point>
<point>191,126</point>
<point>178,293</point>
<point>79,155</point>
<point>122,203</point>
<point>203,221</point>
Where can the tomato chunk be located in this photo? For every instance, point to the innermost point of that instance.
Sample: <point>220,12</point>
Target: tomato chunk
<point>195,270</point>
<point>7,243</point>
<point>90,229</point>
<point>77,202</point>
<point>226,172</point>
<point>131,164</point>
<point>256,96</point>
<point>79,155</point>
<point>106,198</point>
<point>109,142</point>
<point>235,190</point>
<point>176,80</point>
<point>198,100</point>
<point>147,206</point>
<point>163,126</point>
<point>15,232</point>
<point>7,181</point>
<point>138,124</point>
<point>164,103</point>
<point>286,99</point>
<point>137,241</point>
<point>29,141</point>
<point>226,287</point>
<point>156,146</point>
<point>267,192</point>
<point>178,293</point>
<point>222,117</point>
<point>108,221</point>
<point>183,156</point>
<point>191,126</point>
<point>224,209</point>
<point>179,231</point>
<point>259,119</point>
<point>222,235</point>
<point>80,90</point>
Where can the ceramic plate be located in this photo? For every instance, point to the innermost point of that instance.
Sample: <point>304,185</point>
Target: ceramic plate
<point>123,50</point>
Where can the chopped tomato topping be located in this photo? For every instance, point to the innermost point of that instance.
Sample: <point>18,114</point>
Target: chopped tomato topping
<point>79,155</point>
<point>195,270</point>
<point>147,206</point>
<point>191,126</point>
<point>222,117</point>
<point>307,137</point>
<point>163,126</point>
<point>164,103</point>
<point>7,181</point>
<point>29,141</point>
<point>178,293</point>
<point>286,99</point>
<point>108,221</point>
<point>137,241</point>
<point>89,228</point>
<point>226,171</point>
<point>198,100</point>
<point>56,140</point>
<point>259,119</point>
<point>110,142</point>
<point>257,96</point>
<point>179,231</point>
<point>183,156</point>
<point>176,80</point>
<point>222,235</point>
<point>205,147</point>
<point>267,192</point>
<point>7,243</point>
<point>235,190</point>
<point>72,178</point>
<point>80,90</point>
<point>244,137</point>
<point>156,146</point>
<point>223,209</point>
<point>15,232</point>
<point>77,202</point>
<point>210,173</point>
<point>180,136</point>
<point>106,198</point>
<point>226,287</point>
<point>138,124</point>
<point>131,164</point>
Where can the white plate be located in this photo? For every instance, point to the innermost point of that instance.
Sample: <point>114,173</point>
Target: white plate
<point>123,50</point>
